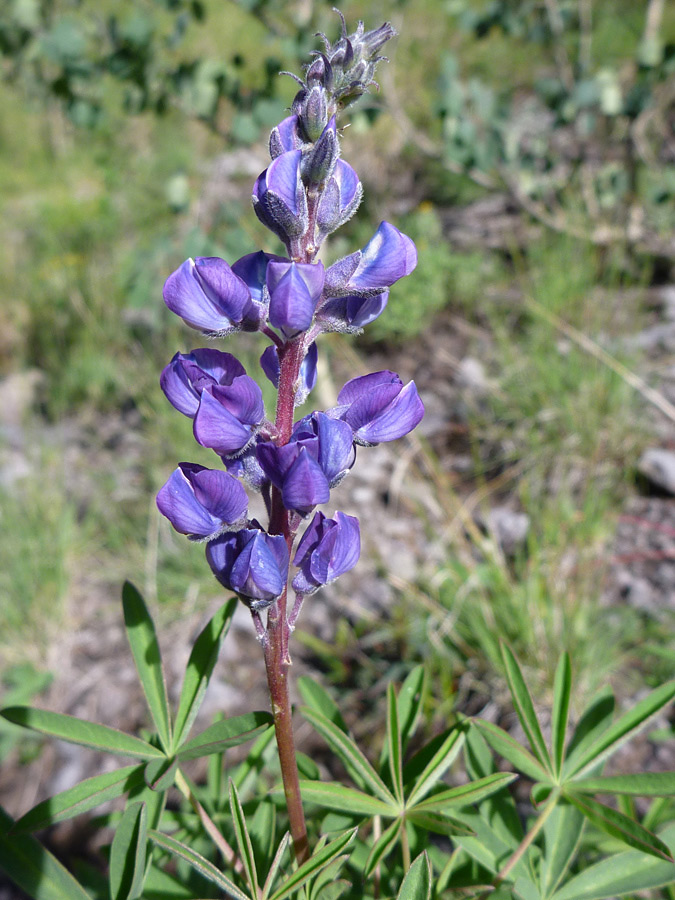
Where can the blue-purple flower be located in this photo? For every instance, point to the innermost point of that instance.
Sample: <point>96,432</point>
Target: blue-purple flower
<point>328,549</point>
<point>351,314</point>
<point>252,563</point>
<point>295,289</point>
<point>201,502</point>
<point>186,376</point>
<point>317,457</point>
<point>340,198</point>
<point>279,197</point>
<point>229,416</point>
<point>388,256</point>
<point>284,137</point>
<point>210,297</point>
<point>378,407</point>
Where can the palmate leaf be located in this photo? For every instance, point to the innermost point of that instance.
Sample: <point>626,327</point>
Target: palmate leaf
<point>333,795</point>
<point>127,854</point>
<point>198,863</point>
<point>410,699</point>
<point>620,826</point>
<point>320,701</point>
<point>225,733</point>
<point>145,650</point>
<point>562,690</point>
<point>383,847</point>
<point>594,721</point>
<point>417,883</point>
<point>511,750</point>
<point>562,835</point>
<point>642,784</point>
<point>81,798</point>
<point>437,766</point>
<point>621,874</point>
<point>34,869</point>
<point>200,668</point>
<point>621,731</point>
<point>394,747</point>
<point>356,763</point>
<point>276,865</point>
<point>77,731</point>
<point>524,707</point>
<point>243,841</point>
<point>464,794</point>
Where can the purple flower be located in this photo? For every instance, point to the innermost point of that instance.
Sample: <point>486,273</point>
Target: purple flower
<point>209,296</point>
<point>252,563</point>
<point>295,289</point>
<point>186,376</point>
<point>279,197</point>
<point>351,314</point>
<point>252,269</point>
<point>202,502</point>
<point>378,407</point>
<point>388,256</point>
<point>317,457</point>
<point>285,137</point>
<point>269,362</point>
<point>340,198</point>
<point>245,466</point>
<point>229,415</point>
<point>329,547</point>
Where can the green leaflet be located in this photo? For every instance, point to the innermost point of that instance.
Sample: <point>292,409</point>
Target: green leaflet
<point>33,868</point>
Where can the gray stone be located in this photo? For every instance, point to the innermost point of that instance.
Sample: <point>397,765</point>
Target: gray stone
<point>658,466</point>
<point>509,527</point>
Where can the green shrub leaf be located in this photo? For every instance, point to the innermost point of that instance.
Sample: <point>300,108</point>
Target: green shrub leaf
<point>623,873</point>
<point>200,668</point>
<point>343,746</point>
<point>243,840</point>
<point>82,797</point>
<point>437,766</point>
<point>417,883</point>
<point>347,800</point>
<point>315,864</point>
<point>34,869</point>
<point>145,649</point>
<point>226,733</point>
<point>394,747</point>
<point>620,826</point>
<point>511,750</point>
<point>562,690</point>
<point>77,731</point>
<point>382,847</point>
<point>198,863</point>
<point>465,794</point>
<point>127,854</point>
<point>318,699</point>
<point>642,784</point>
<point>524,707</point>
<point>623,729</point>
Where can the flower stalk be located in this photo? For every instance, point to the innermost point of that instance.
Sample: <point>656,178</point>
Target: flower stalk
<point>305,194</point>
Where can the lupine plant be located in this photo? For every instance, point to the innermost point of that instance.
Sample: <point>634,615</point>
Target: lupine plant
<point>414,824</point>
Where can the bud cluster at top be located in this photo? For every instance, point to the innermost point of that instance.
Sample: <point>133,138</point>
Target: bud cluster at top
<point>305,193</point>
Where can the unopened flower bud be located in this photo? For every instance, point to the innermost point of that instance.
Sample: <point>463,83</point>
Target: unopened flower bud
<point>314,115</point>
<point>318,164</point>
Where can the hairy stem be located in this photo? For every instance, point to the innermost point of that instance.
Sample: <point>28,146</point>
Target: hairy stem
<point>277,657</point>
